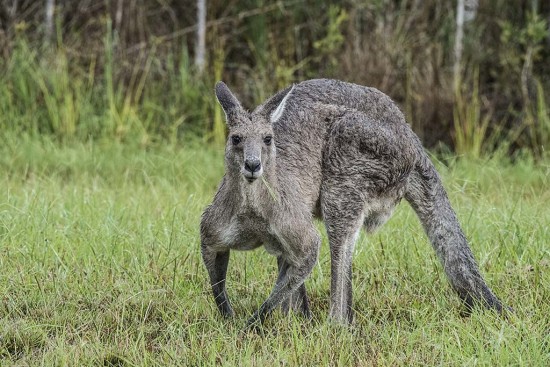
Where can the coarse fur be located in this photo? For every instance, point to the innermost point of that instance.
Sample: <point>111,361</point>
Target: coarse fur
<point>333,150</point>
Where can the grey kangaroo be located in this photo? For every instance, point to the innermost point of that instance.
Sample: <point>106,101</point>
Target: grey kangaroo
<point>333,150</point>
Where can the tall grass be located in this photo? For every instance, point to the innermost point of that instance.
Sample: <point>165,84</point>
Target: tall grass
<point>538,123</point>
<point>470,126</point>
<point>43,92</point>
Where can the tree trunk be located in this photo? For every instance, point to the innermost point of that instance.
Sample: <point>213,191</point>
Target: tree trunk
<point>470,10</point>
<point>458,44</point>
<point>466,10</point>
<point>48,22</point>
<point>201,35</point>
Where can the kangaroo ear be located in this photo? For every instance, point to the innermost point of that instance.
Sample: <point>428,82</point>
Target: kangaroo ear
<point>226,99</point>
<point>275,106</point>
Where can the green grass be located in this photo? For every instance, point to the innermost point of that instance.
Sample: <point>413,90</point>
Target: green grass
<point>100,264</point>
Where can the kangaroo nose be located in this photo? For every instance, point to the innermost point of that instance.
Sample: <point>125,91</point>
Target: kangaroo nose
<point>252,165</point>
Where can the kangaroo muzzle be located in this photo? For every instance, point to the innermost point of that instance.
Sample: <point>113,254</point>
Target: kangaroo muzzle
<point>252,169</point>
<point>253,165</point>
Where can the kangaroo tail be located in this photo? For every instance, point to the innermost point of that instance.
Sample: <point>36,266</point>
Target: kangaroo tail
<point>428,198</point>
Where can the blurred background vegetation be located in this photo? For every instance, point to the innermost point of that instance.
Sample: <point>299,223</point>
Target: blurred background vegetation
<point>127,69</point>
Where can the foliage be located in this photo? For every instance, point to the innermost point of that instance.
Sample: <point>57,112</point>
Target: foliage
<point>331,44</point>
<point>126,70</point>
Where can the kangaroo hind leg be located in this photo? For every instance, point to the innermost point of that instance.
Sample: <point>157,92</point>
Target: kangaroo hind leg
<point>298,301</point>
<point>301,242</point>
<point>343,221</point>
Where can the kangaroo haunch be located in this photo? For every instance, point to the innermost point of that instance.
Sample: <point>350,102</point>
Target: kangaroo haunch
<point>333,150</point>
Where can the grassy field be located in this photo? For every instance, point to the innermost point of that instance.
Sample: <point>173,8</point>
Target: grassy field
<point>100,265</point>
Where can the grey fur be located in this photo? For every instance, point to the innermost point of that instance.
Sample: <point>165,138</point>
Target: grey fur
<point>341,152</point>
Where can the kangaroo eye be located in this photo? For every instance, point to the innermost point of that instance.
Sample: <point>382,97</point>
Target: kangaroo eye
<point>267,140</point>
<point>235,139</point>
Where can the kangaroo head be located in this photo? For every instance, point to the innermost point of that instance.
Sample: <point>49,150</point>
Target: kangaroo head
<point>250,147</point>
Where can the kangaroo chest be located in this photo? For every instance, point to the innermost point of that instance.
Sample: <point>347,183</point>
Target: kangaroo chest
<point>245,231</point>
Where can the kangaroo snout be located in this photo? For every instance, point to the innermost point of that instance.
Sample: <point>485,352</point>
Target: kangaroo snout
<point>252,165</point>
<point>252,169</point>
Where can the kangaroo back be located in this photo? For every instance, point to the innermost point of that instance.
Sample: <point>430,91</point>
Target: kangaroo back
<point>428,198</point>
<point>375,104</point>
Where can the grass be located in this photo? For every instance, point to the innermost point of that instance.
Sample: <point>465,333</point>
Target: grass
<point>45,91</point>
<point>100,264</point>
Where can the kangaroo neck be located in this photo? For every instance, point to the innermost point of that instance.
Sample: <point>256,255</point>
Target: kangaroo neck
<point>261,196</point>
